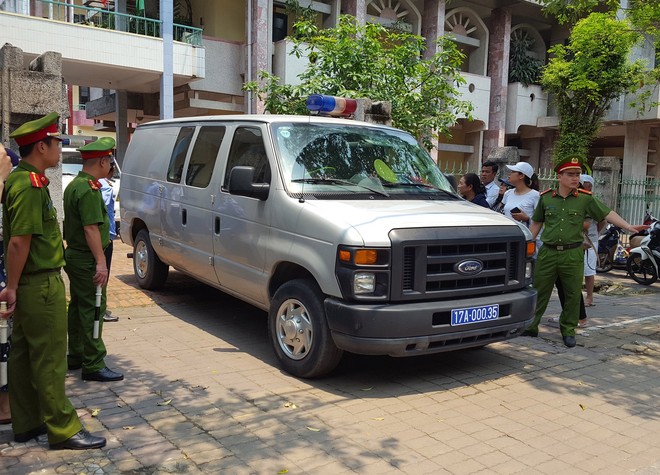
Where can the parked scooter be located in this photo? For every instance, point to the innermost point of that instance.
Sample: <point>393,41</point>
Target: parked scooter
<point>610,251</point>
<point>636,239</point>
<point>644,261</point>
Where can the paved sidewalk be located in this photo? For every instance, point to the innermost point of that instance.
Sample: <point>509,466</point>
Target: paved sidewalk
<point>203,394</point>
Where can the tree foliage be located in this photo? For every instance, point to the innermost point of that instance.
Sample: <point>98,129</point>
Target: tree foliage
<point>586,75</point>
<point>378,63</point>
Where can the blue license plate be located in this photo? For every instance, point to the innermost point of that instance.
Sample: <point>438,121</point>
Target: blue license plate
<point>465,316</point>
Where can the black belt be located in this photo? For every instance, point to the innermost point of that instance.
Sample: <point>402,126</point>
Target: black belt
<point>563,247</point>
<point>42,271</point>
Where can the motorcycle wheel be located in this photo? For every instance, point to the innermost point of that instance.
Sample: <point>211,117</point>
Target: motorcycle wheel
<point>604,262</point>
<point>641,270</point>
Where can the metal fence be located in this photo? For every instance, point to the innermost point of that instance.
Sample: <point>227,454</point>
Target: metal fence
<point>109,19</point>
<point>636,195</point>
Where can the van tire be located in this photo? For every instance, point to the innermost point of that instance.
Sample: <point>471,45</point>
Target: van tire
<point>150,271</point>
<point>297,309</point>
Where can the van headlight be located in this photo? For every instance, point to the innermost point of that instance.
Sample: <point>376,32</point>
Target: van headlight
<point>364,283</point>
<point>529,272</point>
<point>363,273</point>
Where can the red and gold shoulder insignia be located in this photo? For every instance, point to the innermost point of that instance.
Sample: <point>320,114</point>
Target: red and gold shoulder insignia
<point>94,185</point>
<point>544,192</point>
<point>586,192</point>
<point>38,180</point>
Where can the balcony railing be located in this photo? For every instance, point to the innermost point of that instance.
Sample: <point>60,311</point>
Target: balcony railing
<point>109,19</point>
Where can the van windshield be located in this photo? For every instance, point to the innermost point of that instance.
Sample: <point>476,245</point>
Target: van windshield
<point>352,159</point>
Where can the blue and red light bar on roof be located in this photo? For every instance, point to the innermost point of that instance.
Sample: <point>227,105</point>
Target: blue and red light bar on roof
<point>331,105</point>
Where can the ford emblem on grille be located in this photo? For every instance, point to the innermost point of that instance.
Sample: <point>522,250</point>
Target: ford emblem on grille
<point>469,267</point>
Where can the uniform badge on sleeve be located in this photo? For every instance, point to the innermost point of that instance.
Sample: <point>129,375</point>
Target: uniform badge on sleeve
<point>38,180</point>
<point>94,185</point>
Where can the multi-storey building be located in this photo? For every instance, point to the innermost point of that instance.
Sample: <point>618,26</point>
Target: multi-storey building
<point>119,62</point>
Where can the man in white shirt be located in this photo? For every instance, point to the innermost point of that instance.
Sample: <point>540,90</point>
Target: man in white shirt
<point>488,175</point>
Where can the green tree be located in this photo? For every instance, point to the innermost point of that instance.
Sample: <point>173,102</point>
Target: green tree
<point>586,75</point>
<point>372,61</point>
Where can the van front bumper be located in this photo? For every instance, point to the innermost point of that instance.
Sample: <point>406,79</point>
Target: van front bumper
<point>414,328</point>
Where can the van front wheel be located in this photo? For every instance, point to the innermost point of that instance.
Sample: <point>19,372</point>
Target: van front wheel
<point>299,330</point>
<point>150,271</point>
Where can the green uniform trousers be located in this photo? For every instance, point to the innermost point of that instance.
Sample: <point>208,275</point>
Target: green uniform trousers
<point>568,266</point>
<point>37,362</point>
<point>83,348</point>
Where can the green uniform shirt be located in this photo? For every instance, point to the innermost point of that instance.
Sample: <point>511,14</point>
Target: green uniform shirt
<point>563,218</point>
<point>83,206</point>
<point>28,209</point>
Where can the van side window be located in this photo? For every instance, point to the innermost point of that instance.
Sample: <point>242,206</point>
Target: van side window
<point>204,155</point>
<point>247,149</point>
<point>175,170</point>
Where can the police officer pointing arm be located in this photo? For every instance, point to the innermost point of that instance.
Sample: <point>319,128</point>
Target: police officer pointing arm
<point>561,213</point>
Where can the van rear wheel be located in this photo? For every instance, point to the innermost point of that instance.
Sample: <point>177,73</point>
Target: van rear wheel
<point>150,271</point>
<point>299,330</point>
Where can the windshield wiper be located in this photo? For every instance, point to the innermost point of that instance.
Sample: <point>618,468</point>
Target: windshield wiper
<point>335,181</point>
<point>418,185</point>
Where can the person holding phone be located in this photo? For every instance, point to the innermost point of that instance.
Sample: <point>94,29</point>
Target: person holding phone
<point>520,201</point>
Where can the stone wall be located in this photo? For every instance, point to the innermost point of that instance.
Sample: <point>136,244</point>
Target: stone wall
<point>29,93</point>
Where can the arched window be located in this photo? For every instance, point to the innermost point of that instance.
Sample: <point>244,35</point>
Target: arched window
<point>471,35</point>
<point>401,13</point>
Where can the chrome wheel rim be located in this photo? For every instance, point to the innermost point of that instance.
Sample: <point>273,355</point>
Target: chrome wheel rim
<point>141,259</point>
<point>294,330</point>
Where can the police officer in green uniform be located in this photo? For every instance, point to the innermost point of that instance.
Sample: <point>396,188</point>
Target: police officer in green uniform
<point>561,213</point>
<point>87,234</point>
<point>35,295</point>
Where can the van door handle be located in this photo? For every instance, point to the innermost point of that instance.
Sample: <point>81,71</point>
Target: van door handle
<point>184,216</point>
<point>217,225</point>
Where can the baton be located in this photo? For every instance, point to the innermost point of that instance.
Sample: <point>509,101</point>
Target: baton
<point>4,326</point>
<point>97,312</point>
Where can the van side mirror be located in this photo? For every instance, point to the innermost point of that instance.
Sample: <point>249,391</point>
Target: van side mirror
<point>240,183</point>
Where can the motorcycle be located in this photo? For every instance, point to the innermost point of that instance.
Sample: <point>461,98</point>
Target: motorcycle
<point>610,251</point>
<point>636,239</point>
<point>644,260</point>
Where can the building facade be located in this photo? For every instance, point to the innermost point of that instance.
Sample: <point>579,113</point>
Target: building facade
<point>117,66</point>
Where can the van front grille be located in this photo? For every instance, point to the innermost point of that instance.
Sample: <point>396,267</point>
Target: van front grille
<point>431,268</point>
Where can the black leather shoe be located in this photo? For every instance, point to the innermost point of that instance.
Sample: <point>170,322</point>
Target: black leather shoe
<point>569,341</point>
<point>530,333</point>
<point>74,366</point>
<point>31,434</point>
<point>83,440</point>
<point>104,375</point>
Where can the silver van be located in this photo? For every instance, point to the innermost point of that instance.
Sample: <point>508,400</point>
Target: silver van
<point>346,233</point>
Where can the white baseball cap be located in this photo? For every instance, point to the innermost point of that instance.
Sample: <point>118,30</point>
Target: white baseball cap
<point>522,167</point>
<point>587,179</point>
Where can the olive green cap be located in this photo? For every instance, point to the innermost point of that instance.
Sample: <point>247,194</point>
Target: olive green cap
<point>99,148</point>
<point>572,162</point>
<point>36,130</point>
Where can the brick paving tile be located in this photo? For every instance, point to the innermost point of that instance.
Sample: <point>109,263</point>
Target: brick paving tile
<point>524,406</point>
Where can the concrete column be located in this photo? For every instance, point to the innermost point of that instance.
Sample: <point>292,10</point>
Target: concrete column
<point>121,125</point>
<point>545,153</point>
<point>606,175</point>
<point>433,24</point>
<point>167,78</point>
<point>259,44</point>
<point>357,8</point>
<point>120,20</point>
<point>636,150</point>
<point>498,70</point>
